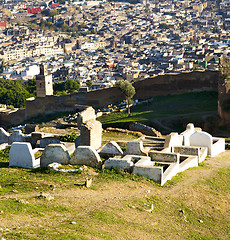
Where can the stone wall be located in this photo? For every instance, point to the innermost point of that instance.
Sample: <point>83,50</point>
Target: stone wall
<point>224,90</point>
<point>51,104</point>
<point>157,86</point>
<point>12,117</point>
<point>160,85</point>
<point>176,84</point>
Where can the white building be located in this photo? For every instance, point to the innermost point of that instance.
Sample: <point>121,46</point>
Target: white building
<point>30,71</point>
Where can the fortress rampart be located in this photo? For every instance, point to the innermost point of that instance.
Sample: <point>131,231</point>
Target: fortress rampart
<point>160,85</point>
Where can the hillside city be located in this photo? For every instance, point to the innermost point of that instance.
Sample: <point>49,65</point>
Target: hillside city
<point>106,41</point>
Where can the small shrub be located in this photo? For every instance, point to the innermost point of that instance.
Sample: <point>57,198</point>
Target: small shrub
<point>4,154</point>
<point>69,137</point>
<point>10,107</point>
<point>38,154</point>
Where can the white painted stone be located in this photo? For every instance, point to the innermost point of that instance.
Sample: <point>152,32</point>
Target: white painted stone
<point>190,161</point>
<point>144,161</point>
<point>171,171</point>
<point>173,139</point>
<point>86,155</point>
<point>190,126</point>
<point>4,136</point>
<point>91,134</point>
<point>202,139</point>
<point>57,167</point>
<point>55,153</point>
<point>203,154</point>
<point>164,156</point>
<point>136,148</point>
<point>190,129</point>
<point>186,150</point>
<point>70,147</point>
<point>21,155</point>
<point>16,136</point>
<point>99,114</point>
<point>125,163</point>
<point>218,146</point>
<point>119,163</point>
<point>148,170</point>
<point>111,149</point>
<point>3,146</point>
<point>200,152</point>
<point>53,166</point>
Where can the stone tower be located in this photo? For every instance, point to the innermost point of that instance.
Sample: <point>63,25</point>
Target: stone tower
<point>44,84</point>
<point>224,90</point>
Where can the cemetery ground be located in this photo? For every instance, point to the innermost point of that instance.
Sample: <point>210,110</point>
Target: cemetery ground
<point>38,204</point>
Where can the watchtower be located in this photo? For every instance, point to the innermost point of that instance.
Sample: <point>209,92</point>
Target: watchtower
<point>44,84</point>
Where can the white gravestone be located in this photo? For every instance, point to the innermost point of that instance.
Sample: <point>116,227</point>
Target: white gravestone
<point>201,139</point>
<point>111,149</point>
<point>21,155</point>
<point>86,155</point>
<point>55,153</point>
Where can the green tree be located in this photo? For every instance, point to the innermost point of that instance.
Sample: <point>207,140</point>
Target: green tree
<point>71,85</point>
<point>13,92</point>
<point>163,26</point>
<point>61,1</point>
<point>128,90</point>
<point>53,13</point>
<point>31,86</point>
<point>45,12</point>
<point>89,83</point>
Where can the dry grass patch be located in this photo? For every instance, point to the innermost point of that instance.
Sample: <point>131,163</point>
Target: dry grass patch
<point>194,205</point>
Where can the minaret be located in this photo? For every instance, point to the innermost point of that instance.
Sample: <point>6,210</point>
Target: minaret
<point>44,84</point>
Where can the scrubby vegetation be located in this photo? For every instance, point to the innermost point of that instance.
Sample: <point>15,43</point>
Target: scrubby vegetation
<point>69,137</point>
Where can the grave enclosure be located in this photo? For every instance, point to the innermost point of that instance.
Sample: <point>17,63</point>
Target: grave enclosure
<point>156,158</point>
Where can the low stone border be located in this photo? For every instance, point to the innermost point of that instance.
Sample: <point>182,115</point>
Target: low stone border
<point>135,133</point>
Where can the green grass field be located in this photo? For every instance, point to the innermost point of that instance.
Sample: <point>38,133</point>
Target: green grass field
<point>189,106</point>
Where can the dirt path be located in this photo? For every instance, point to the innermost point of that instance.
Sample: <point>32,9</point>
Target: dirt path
<point>113,195</point>
<point>114,191</point>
